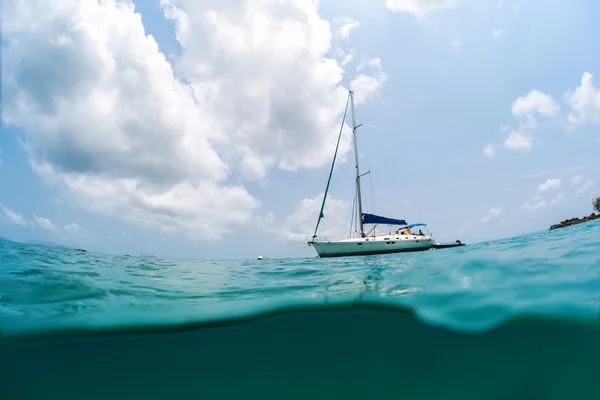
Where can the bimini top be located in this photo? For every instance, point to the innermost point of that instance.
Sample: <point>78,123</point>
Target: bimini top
<point>376,219</point>
<point>413,225</point>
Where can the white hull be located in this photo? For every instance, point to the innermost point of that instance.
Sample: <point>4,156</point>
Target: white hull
<point>373,245</point>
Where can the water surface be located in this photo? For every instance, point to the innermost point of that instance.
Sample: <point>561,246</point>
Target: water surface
<point>511,319</point>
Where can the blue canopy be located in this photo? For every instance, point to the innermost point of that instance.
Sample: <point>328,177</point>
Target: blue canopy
<point>413,225</point>
<point>376,219</point>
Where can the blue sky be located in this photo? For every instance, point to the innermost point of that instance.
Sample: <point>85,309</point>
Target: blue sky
<point>213,137</point>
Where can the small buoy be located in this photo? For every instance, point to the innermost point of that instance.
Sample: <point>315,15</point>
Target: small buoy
<point>260,257</point>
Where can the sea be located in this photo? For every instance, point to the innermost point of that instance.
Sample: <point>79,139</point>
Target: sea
<point>517,318</point>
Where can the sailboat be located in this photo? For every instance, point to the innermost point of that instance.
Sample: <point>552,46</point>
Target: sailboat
<point>366,243</point>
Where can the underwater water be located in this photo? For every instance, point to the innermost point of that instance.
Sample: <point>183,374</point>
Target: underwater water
<point>517,318</point>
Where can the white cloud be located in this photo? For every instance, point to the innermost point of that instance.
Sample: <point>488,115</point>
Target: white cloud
<point>556,200</point>
<point>300,225</point>
<point>535,102</point>
<point>345,26</point>
<point>364,85</point>
<point>373,62</point>
<point>74,233</point>
<point>265,222</point>
<point>577,179</point>
<point>130,135</point>
<point>74,228</point>
<point>551,183</point>
<point>584,185</point>
<point>263,68</point>
<point>44,223</point>
<point>465,228</point>
<point>208,209</point>
<point>493,213</point>
<point>456,43</point>
<point>347,58</point>
<point>526,109</point>
<point>518,141</point>
<point>497,33</point>
<point>343,55</point>
<point>489,151</point>
<point>419,7</point>
<point>534,204</point>
<point>13,217</point>
<point>585,102</point>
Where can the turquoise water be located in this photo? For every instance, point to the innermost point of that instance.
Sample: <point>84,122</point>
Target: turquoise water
<point>511,319</point>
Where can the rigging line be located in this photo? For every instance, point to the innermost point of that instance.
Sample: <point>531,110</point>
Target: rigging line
<point>368,162</point>
<point>385,165</point>
<point>405,203</point>
<point>372,194</point>
<point>332,165</point>
<point>352,217</point>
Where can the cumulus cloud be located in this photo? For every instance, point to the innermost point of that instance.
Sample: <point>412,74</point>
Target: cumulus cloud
<point>13,217</point>
<point>535,102</point>
<point>556,200</point>
<point>534,204</point>
<point>73,229</point>
<point>263,69</point>
<point>465,228</point>
<point>373,62</point>
<point>551,183</point>
<point>584,102</point>
<point>456,43</point>
<point>44,223</point>
<point>345,26</point>
<point>366,85</point>
<point>129,134</point>
<point>489,151</point>
<point>518,141</point>
<point>493,214</point>
<point>300,224</point>
<point>526,110</point>
<point>419,8</point>
<point>584,185</point>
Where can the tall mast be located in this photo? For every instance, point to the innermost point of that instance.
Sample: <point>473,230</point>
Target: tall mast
<point>332,165</point>
<point>358,194</point>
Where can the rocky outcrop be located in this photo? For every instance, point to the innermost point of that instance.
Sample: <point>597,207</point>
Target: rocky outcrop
<point>575,221</point>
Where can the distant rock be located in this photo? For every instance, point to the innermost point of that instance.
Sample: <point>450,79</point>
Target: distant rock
<point>575,221</point>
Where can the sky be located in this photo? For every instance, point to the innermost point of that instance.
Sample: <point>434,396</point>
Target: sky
<point>206,129</point>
